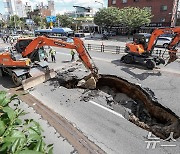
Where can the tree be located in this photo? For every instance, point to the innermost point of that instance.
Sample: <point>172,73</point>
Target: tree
<point>107,17</point>
<point>134,17</point>
<point>64,20</point>
<point>13,22</point>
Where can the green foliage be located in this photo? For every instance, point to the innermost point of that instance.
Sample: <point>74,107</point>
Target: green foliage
<point>13,21</point>
<point>107,17</point>
<point>65,21</point>
<point>130,17</point>
<point>17,137</point>
<point>134,17</point>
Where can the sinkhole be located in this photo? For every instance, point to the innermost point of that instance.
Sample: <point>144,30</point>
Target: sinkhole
<point>142,107</point>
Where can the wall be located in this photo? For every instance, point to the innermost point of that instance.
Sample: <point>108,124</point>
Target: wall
<point>155,4</point>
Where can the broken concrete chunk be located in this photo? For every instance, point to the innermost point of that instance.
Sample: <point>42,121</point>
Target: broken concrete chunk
<point>89,84</point>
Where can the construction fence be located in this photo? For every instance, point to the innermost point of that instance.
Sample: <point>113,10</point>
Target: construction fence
<point>161,52</point>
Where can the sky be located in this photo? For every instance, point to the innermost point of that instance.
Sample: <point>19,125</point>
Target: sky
<point>64,5</point>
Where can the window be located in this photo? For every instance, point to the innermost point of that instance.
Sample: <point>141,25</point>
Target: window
<point>162,19</point>
<point>149,8</point>
<point>124,1</point>
<point>164,8</point>
<point>113,1</point>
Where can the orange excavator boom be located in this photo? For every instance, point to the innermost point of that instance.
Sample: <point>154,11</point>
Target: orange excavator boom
<point>157,32</point>
<point>78,45</point>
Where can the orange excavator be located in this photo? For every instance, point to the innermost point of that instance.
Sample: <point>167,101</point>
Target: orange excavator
<point>23,63</point>
<point>140,50</point>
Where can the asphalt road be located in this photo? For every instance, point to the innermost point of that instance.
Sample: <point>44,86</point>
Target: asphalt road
<point>108,130</point>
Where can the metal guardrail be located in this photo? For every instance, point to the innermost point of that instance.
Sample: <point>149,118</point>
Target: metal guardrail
<point>105,48</point>
<point>120,50</point>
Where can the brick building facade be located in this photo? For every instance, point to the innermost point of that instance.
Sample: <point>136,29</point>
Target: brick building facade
<point>164,11</point>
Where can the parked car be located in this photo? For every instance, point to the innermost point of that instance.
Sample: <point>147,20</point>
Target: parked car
<point>167,35</point>
<point>163,42</point>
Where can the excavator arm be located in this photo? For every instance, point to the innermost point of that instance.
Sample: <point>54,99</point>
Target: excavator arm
<point>171,47</point>
<point>78,45</point>
<point>157,32</point>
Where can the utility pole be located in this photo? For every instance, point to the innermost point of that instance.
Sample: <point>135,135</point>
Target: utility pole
<point>174,13</point>
<point>58,23</point>
<point>14,22</point>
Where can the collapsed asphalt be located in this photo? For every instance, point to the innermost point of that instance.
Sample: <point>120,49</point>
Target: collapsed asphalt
<point>135,103</point>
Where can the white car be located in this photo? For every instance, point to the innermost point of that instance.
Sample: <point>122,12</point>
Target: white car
<point>163,42</point>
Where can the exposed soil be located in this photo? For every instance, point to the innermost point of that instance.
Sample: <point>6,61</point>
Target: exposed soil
<point>140,104</point>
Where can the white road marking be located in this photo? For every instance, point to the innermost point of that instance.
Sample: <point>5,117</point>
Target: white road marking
<point>105,108</point>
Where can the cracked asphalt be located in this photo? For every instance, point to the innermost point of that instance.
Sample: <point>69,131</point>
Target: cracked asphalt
<point>110,132</point>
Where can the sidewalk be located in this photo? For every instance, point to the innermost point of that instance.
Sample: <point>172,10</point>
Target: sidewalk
<point>120,38</point>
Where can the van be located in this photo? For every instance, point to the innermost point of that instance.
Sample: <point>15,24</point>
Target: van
<point>80,35</point>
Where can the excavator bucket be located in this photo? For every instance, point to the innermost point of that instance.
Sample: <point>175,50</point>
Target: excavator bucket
<point>88,82</point>
<point>172,57</point>
<point>38,78</point>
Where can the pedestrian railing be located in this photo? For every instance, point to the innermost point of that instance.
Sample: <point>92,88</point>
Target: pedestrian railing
<point>120,50</point>
<point>105,48</point>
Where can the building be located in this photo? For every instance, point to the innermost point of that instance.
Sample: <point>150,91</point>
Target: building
<point>164,11</point>
<point>84,17</point>
<point>27,9</point>
<point>8,7</point>
<point>51,7</point>
<point>14,7</point>
<point>19,8</point>
<point>46,10</point>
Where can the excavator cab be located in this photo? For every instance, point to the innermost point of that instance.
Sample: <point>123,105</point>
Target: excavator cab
<point>22,43</point>
<point>142,38</point>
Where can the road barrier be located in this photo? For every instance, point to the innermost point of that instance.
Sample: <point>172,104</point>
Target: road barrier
<point>105,48</point>
<point>120,50</point>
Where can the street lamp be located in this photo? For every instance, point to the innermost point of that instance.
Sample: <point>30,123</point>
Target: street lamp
<point>99,3</point>
<point>102,7</point>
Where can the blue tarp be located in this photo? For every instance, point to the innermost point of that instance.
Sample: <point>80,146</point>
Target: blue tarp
<point>55,30</point>
<point>62,30</point>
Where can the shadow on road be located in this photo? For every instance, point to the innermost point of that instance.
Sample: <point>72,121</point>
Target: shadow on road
<point>128,68</point>
<point>134,65</point>
<point>141,76</point>
<point>6,82</point>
